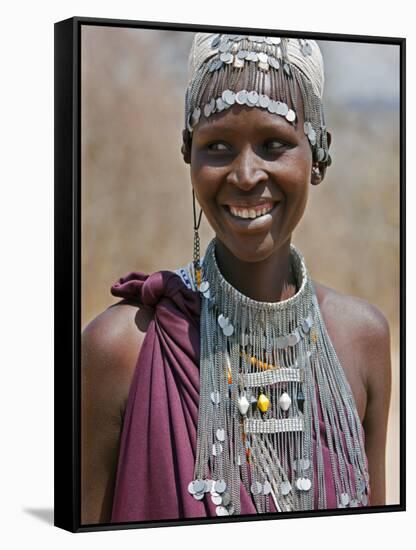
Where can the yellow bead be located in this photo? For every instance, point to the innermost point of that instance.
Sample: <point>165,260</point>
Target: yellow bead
<point>263,403</point>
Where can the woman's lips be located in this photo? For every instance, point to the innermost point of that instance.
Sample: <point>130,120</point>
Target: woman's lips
<point>250,211</point>
<point>247,217</point>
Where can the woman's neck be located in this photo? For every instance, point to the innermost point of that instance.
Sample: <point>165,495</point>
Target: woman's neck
<point>269,280</point>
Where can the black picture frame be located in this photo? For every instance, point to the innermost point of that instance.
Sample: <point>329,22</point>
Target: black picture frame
<point>68,268</point>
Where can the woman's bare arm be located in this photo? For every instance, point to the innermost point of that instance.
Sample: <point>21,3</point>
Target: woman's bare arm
<point>109,349</point>
<point>378,369</point>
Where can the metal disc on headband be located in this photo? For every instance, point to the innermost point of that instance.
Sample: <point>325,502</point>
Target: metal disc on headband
<point>199,496</point>
<point>223,47</point>
<point>226,57</point>
<point>252,56</point>
<point>264,101</point>
<point>220,104</point>
<point>291,115</point>
<point>262,57</point>
<point>207,110</point>
<point>221,511</point>
<point>216,41</point>
<point>253,97</point>
<point>242,54</point>
<point>241,97</point>
<point>273,62</point>
<point>229,97</point>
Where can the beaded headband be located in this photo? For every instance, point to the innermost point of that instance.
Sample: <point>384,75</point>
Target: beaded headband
<point>236,69</point>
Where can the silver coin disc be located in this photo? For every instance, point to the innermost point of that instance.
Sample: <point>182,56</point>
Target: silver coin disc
<point>221,511</point>
<point>267,488</point>
<point>199,485</point>
<point>345,498</point>
<point>256,488</point>
<point>220,104</point>
<point>285,487</point>
<point>204,286</point>
<point>228,330</point>
<point>216,499</point>
<point>306,484</point>
<point>242,54</point>
<point>207,110</point>
<point>216,449</point>
<point>253,97</point>
<point>229,97</point>
<point>291,115</point>
<point>191,488</point>
<point>241,97</point>
<point>220,434</point>
<point>216,41</point>
<point>264,101</point>
<point>222,320</point>
<point>199,496</point>
<point>220,486</point>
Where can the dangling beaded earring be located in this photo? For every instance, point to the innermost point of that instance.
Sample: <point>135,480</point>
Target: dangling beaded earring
<point>197,263</point>
<point>316,175</point>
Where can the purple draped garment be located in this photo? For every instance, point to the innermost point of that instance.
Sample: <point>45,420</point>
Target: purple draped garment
<point>158,440</point>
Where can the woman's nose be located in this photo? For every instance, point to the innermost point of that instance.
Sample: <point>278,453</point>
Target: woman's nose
<point>247,170</point>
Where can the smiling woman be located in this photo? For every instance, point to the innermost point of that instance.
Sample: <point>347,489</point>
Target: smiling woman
<point>242,385</point>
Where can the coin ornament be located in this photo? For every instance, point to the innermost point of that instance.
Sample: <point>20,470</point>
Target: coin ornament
<point>204,286</point>
<point>225,324</point>
<point>345,498</point>
<point>256,488</point>
<point>285,488</point>
<point>220,486</point>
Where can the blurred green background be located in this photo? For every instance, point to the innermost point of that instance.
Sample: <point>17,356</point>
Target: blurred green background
<point>136,190</point>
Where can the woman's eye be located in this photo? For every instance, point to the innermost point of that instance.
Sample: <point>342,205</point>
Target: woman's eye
<point>274,145</point>
<point>217,146</point>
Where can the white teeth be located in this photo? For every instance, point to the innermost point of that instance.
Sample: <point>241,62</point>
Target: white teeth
<point>249,213</point>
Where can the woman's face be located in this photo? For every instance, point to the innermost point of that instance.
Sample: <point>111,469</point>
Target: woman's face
<point>251,171</point>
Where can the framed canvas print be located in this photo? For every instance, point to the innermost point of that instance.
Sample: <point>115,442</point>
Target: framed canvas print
<point>229,275</point>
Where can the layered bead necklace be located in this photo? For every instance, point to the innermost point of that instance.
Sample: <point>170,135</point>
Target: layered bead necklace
<point>265,369</point>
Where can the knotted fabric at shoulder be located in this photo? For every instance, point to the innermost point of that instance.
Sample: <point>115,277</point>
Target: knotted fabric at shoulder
<point>152,290</point>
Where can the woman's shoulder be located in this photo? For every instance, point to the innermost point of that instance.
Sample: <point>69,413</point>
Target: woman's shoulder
<point>110,345</point>
<point>359,331</point>
<point>356,313</point>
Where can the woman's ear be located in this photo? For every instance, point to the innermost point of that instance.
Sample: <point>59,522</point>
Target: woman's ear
<point>319,168</point>
<point>186,146</point>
